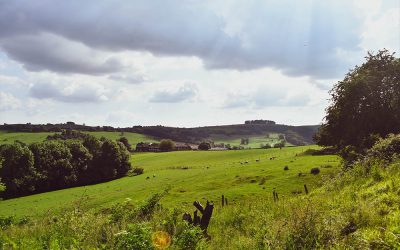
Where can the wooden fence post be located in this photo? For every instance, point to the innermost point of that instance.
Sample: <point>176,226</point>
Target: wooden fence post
<point>305,188</point>
<point>202,221</point>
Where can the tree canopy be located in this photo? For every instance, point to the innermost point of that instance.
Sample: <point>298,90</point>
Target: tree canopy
<point>167,145</point>
<point>57,164</point>
<point>365,105</point>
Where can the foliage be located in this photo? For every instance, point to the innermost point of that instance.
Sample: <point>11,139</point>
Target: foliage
<point>204,146</point>
<point>387,149</point>
<point>366,103</point>
<point>167,145</point>
<point>125,141</point>
<point>17,173</point>
<point>280,144</point>
<point>59,164</point>
<point>189,238</point>
<point>137,171</point>
<point>137,236</point>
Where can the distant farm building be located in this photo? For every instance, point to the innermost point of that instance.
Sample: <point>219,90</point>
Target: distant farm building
<point>155,147</point>
<point>147,147</point>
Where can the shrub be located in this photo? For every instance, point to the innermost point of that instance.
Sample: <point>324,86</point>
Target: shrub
<point>204,146</point>
<point>386,149</point>
<point>137,236</point>
<point>147,209</point>
<point>315,171</point>
<point>167,145</point>
<point>286,168</point>
<point>189,238</point>
<point>136,171</point>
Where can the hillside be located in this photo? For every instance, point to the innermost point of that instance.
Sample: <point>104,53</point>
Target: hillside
<point>357,208</point>
<point>189,176</point>
<point>294,135</point>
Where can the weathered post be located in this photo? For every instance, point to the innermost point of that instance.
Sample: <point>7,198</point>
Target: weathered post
<point>226,201</point>
<point>305,188</point>
<point>223,200</point>
<point>202,221</point>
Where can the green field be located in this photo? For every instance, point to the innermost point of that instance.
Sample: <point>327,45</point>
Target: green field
<point>254,140</point>
<point>26,137</point>
<point>189,176</point>
<point>10,137</point>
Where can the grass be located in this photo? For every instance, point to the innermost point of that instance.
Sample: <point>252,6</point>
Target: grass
<point>190,175</point>
<point>254,140</point>
<point>356,209</point>
<point>10,137</point>
<point>26,137</point>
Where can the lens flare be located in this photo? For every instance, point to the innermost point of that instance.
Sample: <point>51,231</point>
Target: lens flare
<point>161,240</point>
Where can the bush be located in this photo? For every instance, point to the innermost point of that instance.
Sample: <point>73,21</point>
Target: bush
<point>189,238</point>
<point>136,171</point>
<point>315,171</point>
<point>137,236</point>
<point>204,146</point>
<point>286,168</point>
<point>386,149</point>
<point>167,145</point>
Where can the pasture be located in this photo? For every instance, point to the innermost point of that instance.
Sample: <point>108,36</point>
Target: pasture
<point>27,137</point>
<point>189,176</point>
<point>254,140</point>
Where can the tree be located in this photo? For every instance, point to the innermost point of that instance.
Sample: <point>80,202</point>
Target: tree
<point>125,141</point>
<point>17,172</point>
<point>167,145</point>
<point>53,163</point>
<point>80,160</point>
<point>364,105</point>
<point>2,186</point>
<point>204,146</point>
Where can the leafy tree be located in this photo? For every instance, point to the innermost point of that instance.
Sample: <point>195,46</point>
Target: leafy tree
<point>53,163</point>
<point>80,161</point>
<point>364,105</point>
<point>125,142</point>
<point>2,186</point>
<point>17,173</point>
<point>167,145</point>
<point>124,165</point>
<point>280,144</point>
<point>204,146</point>
<point>109,159</point>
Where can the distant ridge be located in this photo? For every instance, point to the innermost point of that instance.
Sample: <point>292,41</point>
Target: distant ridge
<point>296,135</point>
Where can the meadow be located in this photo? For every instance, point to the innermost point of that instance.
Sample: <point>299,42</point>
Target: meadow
<point>255,141</point>
<point>189,176</point>
<point>30,137</point>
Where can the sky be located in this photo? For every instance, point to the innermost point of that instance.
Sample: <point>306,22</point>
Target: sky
<point>183,63</point>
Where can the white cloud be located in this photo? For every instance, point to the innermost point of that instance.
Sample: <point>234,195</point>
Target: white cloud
<point>382,31</point>
<point>121,118</point>
<point>73,92</point>
<point>8,102</point>
<point>185,93</point>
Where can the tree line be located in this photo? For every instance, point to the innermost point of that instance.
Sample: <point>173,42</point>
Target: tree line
<point>58,164</point>
<point>365,106</point>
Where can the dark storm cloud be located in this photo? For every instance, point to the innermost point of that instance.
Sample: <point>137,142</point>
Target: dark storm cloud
<point>184,93</point>
<point>299,38</point>
<point>49,52</point>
